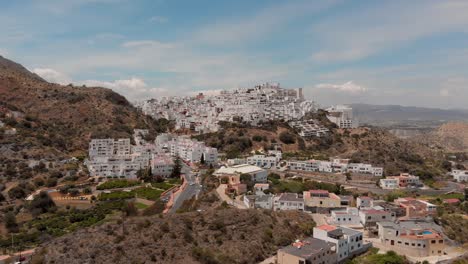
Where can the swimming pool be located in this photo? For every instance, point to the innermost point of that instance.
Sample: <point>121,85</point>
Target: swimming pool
<point>426,232</point>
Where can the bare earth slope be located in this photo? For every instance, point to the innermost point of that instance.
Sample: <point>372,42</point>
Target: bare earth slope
<point>451,136</point>
<point>214,236</point>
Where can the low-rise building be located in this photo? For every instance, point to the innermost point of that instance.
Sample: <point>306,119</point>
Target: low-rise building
<point>370,216</point>
<point>460,175</point>
<point>416,239</point>
<point>260,188</point>
<point>310,250</point>
<point>263,161</point>
<point>363,201</point>
<point>288,201</point>
<point>347,217</point>
<point>348,242</point>
<point>259,201</point>
<point>258,174</point>
<point>321,199</point>
<point>416,209</point>
<point>389,183</point>
<point>362,168</point>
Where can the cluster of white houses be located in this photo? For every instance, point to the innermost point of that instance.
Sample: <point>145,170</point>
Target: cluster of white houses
<point>252,105</point>
<point>334,166</point>
<point>111,158</point>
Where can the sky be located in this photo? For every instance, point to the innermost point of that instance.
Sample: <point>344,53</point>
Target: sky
<point>378,52</point>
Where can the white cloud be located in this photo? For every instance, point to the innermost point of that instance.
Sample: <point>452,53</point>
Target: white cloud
<point>52,75</point>
<point>158,19</point>
<point>133,88</point>
<point>349,87</point>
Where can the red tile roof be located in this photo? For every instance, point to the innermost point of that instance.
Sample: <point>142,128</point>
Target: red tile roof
<point>326,227</point>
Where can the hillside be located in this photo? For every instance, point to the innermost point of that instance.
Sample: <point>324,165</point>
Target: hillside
<point>45,122</point>
<point>370,145</point>
<point>452,136</point>
<point>214,236</point>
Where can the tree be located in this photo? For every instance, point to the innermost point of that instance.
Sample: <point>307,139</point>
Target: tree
<point>287,137</point>
<point>145,175</point>
<point>42,203</point>
<point>177,169</point>
<point>10,222</point>
<point>130,209</point>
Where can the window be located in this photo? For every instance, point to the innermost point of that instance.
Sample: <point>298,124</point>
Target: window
<point>368,218</point>
<point>399,242</point>
<point>383,216</point>
<point>433,242</point>
<point>406,244</point>
<point>412,244</point>
<point>441,241</point>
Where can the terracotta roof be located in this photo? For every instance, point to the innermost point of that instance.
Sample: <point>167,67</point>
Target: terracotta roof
<point>327,227</point>
<point>452,200</point>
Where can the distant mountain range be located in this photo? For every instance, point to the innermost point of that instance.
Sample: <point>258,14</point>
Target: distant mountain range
<point>389,115</point>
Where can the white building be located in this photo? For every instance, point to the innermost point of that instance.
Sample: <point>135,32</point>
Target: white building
<point>349,217</point>
<point>309,128</point>
<point>264,201</point>
<point>263,161</point>
<point>334,166</point>
<point>342,116</point>
<point>362,168</point>
<point>364,201</point>
<point>348,242</point>
<point>460,175</point>
<point>109,147</point>
<point>187,149</point>
<point>389,183</point>
<point>258,174</point>
<point>288,201</point>
<point>162,165</point>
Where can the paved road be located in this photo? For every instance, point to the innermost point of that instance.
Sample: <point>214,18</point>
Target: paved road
<point>190,190</point>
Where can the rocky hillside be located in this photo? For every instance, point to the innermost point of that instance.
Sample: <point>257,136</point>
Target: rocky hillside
<point>452,136</point>
<point>43,123</point>
<point>214,236</point>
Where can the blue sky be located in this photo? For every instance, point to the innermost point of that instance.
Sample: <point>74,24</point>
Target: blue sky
<point>380,52</point>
